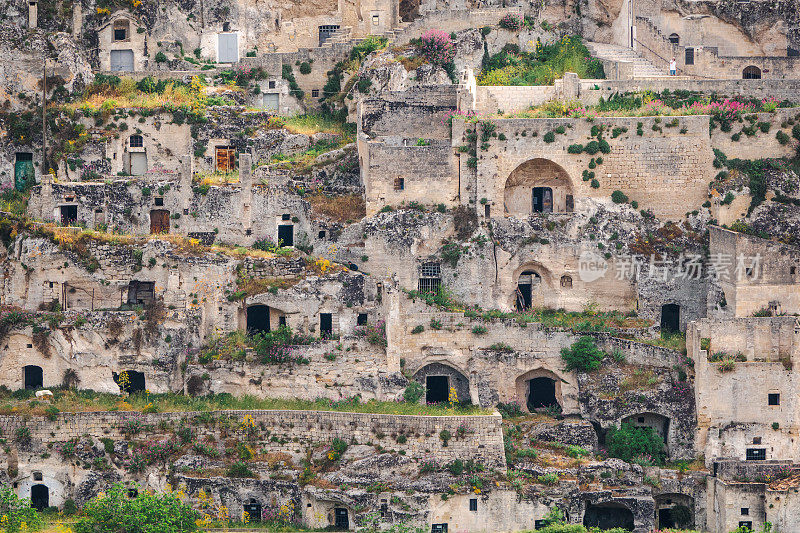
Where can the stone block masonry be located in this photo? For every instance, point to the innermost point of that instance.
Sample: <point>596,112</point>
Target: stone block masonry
<point>482,441</point>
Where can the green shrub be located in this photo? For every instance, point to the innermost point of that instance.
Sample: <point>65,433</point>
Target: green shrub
<point>630,442</point>
<point>305,68</point>
<point>583,355</point>
<point>418,329</point>
<point>782,137</point>
<point>549,137</point>
<point>619,197</point>
<point>115,512</point>
<point>456,467</point>
<point>414,391</point>
<point>239,469</point>
<point>575,148</point>
<point>161,57</point>
<point>479,330</point>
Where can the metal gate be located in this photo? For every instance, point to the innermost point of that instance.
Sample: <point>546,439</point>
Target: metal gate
<point>122,60</point>
<point>228,47</point>
<point>23,170</point>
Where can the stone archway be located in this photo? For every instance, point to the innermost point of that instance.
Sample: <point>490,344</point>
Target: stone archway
<point>538,186</point>
<point>751,72</point>
<point>533,287</point>
<point>608,515</point>
<point>539,388</point>
<point>674,511</point>
<point>658,423</point>
<point>438,379</point>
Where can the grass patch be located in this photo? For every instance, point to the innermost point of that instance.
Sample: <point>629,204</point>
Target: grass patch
<point>310,124</point>
<point>71,401</point>
<point>343,209</point>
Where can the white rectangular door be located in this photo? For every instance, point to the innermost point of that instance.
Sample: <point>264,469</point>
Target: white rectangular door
<point>271,102</point>
<point>122,60</point>
<point>138,163</point>
<point>228,47</point>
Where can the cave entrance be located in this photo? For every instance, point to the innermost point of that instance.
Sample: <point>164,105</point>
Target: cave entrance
<point>253,510</point>
<point>341,520</point>
<point>674,511</point>
<point>33,377</point>
<point>69,214</point>
<point>608,516</point>
<point>437,389</point>
<point>670,318</point>
<point>286,235</point>
<point>130,381</point>
<point>526,284</point>
<point>258,319</point>
<point>541,393</point>
<point>40,497</point>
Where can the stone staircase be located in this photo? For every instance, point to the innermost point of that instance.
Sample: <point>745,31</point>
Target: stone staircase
<point>344,35</point>
<point>642,68</point>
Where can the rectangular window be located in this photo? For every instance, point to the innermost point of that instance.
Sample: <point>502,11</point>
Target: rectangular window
<point>438,528</point>
<point>756,454</point>
<point>119,34</point>
<point>570,203</point>
<point>376,20</point>
<point>689,56</point>
<point>430,277</point>
<point>487,211</point>
<point>159,201</point>
<point>745,511</point>
<point>399,184</point>
<point>314,93</point>
<point>773,398</point>
<point>362,319</point>
<point>473,504</point>
<point>271,84</point>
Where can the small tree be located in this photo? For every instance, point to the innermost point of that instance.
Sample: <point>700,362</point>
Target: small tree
<point>17,511</point>
<point>583,355</point>
<point>115,512</point>
<point>413,392</point>
<point>630,442</point>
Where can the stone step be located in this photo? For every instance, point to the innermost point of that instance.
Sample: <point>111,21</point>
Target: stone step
<point>642,68</point>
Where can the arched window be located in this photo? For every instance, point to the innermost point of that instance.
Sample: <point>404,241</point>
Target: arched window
<point>136,141</point>
<point>674,38</point>
<point>566,281</point>
<point>751,73</point>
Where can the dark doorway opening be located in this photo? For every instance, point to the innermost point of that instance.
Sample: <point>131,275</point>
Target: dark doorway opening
<point>437,389</point>
<point>258,319</point>
<point>325,325</point>
<point>608,516</point>
<point>253,510</point>
<point>341,520</point>
<point>526,284</point>
<point>69,214</point>
<point>40,497</point>
<point>326,32</point>
<point>32,375</point>
<point>670,318</point>
<point>159,221</point>
<point>542,200</point>
<point>541,393</point>
<point>132,382</point>
<point>665,519</point>
<point>286,235</point>
<point>141,292</point>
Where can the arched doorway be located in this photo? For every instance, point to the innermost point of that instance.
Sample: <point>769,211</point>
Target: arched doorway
<point>33,377</point>
<point>439,379</point>
<point>658,423</point>
<point>258,319</point>
<point>751,73</point>
<point>674,511</point>
<point>540,388</point>
<point>341,520</point>
<point>608,516</point>
<point>40,497</point>
<point>527,283</point>
<point>253,510</point>
<point>670,318</point>
<point>130,381</point>
<point>542,393</point>
<point>538,186</point>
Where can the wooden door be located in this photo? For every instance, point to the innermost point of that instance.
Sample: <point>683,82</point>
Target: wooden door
<point>159,221</point>
<point>226,158</point>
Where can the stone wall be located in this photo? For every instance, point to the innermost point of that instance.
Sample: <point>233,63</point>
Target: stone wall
<point>649,168</point>
<point>483,441</point>
<point>416,113</point>
<point>398,173</point>
<point>773,281</point>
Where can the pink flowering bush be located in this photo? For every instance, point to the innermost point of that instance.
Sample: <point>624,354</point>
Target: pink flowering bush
<point>512,21</point>
<point>437,47</point>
